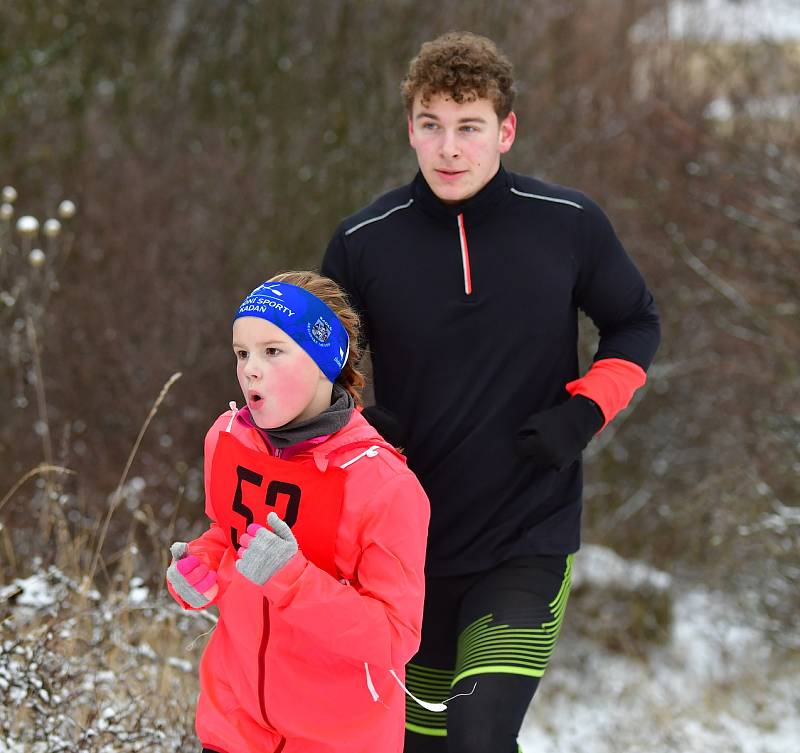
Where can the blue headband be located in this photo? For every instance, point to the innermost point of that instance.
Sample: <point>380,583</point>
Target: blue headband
<point>305,318</point>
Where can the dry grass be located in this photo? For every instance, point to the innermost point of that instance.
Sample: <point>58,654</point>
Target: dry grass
<point>88,672</point>
<point>87,669</point>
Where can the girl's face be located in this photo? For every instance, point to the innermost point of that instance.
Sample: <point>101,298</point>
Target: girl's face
<point>279,380</point>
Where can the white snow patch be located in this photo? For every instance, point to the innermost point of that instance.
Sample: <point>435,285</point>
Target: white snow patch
<point>11,746</point>
<point>35,591</point>
<point>182,664</point>
<point>600,566</point>
<point>714,687</point>
<point>138,592</point>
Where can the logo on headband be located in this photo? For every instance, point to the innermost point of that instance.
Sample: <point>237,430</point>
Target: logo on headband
<point>264,297</point>
<point>320,331</point>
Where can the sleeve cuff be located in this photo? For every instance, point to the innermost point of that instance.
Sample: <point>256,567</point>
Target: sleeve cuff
<point>610,384</point>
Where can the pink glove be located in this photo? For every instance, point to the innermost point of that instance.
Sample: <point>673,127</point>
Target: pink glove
<point>190,577</point>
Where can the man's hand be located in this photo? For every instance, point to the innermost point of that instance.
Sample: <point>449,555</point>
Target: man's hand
<point>191,579</point>
<point>263,552</point>
<point>555,437</point>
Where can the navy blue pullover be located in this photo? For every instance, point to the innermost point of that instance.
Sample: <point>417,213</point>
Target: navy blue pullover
<point>471,316</point>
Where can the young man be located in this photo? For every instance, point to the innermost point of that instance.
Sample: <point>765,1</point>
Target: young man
<point>469,280</point>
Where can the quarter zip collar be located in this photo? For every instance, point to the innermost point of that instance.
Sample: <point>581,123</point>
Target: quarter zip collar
<point>473,209</point>
<point>464,215</point>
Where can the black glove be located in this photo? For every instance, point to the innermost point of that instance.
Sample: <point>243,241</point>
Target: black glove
<point>555,437</point>
<point>385,423</point>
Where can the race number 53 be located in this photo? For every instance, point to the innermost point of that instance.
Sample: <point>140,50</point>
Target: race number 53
<point>273,492</point>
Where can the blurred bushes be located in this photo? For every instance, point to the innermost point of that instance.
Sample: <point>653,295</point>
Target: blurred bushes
<point>209,145</point>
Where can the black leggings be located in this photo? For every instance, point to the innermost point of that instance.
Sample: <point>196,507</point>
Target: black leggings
<point>494,632</point>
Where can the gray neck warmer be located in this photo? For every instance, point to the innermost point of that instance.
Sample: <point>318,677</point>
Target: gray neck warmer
<point>327,422</point>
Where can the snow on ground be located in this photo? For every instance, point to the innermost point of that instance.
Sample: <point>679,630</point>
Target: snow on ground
<point>716,686</point>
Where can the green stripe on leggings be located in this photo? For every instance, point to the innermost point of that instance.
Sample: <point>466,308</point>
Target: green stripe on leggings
<point>485,647</point>
<point>432,685</point>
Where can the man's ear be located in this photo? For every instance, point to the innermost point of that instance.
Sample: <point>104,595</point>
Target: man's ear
<point>508,132</point>
<point>410,130</point>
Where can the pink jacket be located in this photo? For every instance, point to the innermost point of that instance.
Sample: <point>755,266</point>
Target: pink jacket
<point>327,644</point>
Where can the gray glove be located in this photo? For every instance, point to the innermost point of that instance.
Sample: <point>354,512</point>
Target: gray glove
<point>262,552</point>
<point>191,579</point>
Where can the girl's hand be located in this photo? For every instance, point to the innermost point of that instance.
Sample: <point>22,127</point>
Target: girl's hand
<point>191,579</point>
<point>263,552</point>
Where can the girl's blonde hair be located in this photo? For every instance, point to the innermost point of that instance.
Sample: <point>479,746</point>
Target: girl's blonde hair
<point>334,297</point>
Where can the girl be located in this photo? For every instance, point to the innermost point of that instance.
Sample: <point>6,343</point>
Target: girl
<point>316,547</point>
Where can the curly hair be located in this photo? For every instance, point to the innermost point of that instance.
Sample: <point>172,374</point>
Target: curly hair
<point>351,378</point>
<point>463,66</point>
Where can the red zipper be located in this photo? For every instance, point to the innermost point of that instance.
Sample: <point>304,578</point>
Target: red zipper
<point>462,237</point>
<point>262,664</point>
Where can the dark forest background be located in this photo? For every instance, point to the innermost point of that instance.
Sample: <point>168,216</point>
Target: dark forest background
<point>210,144</point>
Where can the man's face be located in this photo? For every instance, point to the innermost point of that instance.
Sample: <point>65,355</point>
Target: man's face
<point>458,146</point>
